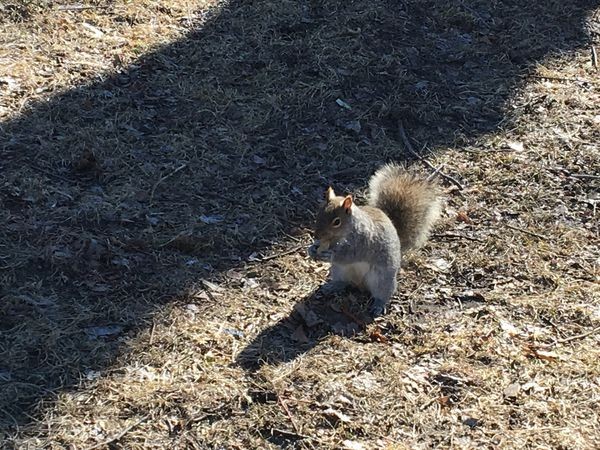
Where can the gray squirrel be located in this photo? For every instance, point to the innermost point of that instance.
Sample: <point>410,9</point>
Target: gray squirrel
<point>364,244</point>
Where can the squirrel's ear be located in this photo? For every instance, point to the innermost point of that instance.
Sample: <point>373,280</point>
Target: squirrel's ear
<point>329,194</point>
<point>347,204</point>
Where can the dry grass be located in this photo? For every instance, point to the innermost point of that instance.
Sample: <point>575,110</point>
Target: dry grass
<point>160,164</point>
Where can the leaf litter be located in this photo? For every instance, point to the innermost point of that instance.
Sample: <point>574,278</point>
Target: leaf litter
<point>99,103</point>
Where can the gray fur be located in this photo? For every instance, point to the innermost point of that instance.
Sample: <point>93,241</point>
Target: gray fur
<point>364,244</point>
<point>412,203</point>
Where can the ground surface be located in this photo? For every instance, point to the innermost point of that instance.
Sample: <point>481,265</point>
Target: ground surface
<point>160,165</point>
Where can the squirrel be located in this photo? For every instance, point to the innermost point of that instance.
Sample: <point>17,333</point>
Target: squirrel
<point>364,244</point>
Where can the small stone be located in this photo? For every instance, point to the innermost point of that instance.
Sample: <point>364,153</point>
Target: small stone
<point>512,390</point>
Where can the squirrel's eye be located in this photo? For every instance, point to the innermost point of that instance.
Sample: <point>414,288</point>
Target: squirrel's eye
<point>336,222</point>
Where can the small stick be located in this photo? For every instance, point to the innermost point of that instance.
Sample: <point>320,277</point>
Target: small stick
<point>594,57</point>
<point>584,175</point>
<point>80,7</point>
<point>183,166</point>
<point>52,175</point>
<point>458,236</point>
<point>289,433</point>
<point>287,411</point>
<point>410,148</point>
<point>119,435</point>
<point>279,255</point>
<point>568,173</point>
<point>574,80</point>
<point>531,233</point>
<point>152,332</point>
<point>578,336</point>
<point>432,176</point>
<point>64,194</point>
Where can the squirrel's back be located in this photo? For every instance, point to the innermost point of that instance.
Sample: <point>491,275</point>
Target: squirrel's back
<point>412,203</point>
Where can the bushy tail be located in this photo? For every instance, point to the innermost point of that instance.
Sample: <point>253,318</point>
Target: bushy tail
<point>412,203</point>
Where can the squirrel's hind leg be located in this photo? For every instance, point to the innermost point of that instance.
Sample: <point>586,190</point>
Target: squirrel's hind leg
<point>332,286</point>
<point>381,282</point>
<point>337,280</point>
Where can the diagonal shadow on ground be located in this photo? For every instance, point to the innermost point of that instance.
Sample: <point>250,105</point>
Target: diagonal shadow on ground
<point>118,196</point>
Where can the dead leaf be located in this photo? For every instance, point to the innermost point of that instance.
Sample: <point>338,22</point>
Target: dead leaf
<point>352,445</point>
<point>201,295</point>
<point>212,286</point>
<point>233,332</point>
<point>344,399</point>
<point>537,352</point>
<point>280,286</point>
<point>249,283</point>
<point>377,336</point>
<point>419,374</point>
<point>462,216</point>
<point>92,30</point>
<point>343,104</point>
<point>512,390</point>
<point>235,275</point>
<point>516,146</point>
<point>353,125</point>
<point>336,416</point>
<point>366,382</point>
<point>438,265</point>
<point>445,401</point>
<point>509,328</point>
<point>532,387</point>
<point>211,220</point>
<point>104,331</point>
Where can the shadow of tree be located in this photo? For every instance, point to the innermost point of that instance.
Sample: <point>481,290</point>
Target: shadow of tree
<point>118,196</point>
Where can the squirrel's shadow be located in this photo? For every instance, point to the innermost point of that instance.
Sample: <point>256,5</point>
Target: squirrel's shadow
<point>316,316</point>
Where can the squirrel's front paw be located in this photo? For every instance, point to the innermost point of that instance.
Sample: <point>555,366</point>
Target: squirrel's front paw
<point>312,250</point>
<point>314,253</point>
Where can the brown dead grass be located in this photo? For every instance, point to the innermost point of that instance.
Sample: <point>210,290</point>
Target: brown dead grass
<point>160,165</point>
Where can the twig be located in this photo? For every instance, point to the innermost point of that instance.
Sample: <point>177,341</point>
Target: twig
<point>564,79</point>
<point>279,255</point>
<point>584,175</point>
<point>152,332</point>
<point>458,236</point>
<point>291,434</point>
<point>410,148</point>
<point>51,174</point>
<point>183,166</point>
<point>119,435</point>
<point>173,239</point>
<point>287,411</point>
<point>64,194</point>
<point>578,336</point>
<point>435,172</point>
<point>80,7</point>
<point>594,57</point>
<point>531,233</point>
<point>568,173</point>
